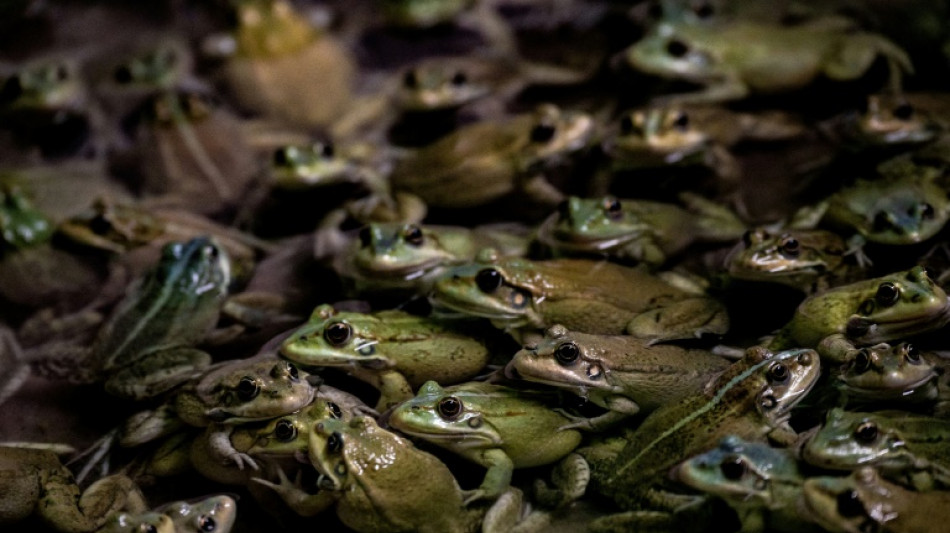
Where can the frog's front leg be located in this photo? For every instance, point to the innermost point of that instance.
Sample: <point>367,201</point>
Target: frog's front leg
<point>859,51</point>
<point>570,477</point>
<point>66,510</point>
<point>157,372</point>
<point>506,515</point>
<point>393,389</point>
<point>686,319</point>
<point>497,478</point>
<point>296,498</point>
<point>219,442</point>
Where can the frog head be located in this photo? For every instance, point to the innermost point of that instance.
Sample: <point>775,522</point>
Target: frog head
<point>269,28</point>
<point>45,85</point>
<point>334,338</point>
<point>563,360</point>
<point>316,165</point>
<point>592,224</point>
<point>883,370</point>
<point>673,51</point>
<point>211,515</point>
<point>438,85</point>
<point>170,110</point>
<point>897,305</point>
<point>790,257</point>
<point>849,439</point>
<point>403,251</point>
<point>342,451</point>
<point>664,132</point>
<point>906,215</point>
<point>199,269</point>
<point>550,134</point>
<point>21,225</point>
<point>890,120</point>
<point>251,390</point>
<point>739,470</point>
<point>852,503</point>
<point>289,434</point>
<point>436,413</point>
<point>113,226</point>
<point>162,66</point>
<point>492,287</point>
<point>147,522</point>
<point>776,381</point>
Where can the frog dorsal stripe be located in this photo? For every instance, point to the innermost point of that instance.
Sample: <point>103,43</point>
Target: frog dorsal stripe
<point>708,406</point>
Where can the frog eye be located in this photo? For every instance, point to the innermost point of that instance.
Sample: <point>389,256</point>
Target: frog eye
<point>732,467</point>
<point>542,133</point>
<point>681,122</point>
<point>778,373</point>
<point>904,111</point>
<point>335,411</point>
<point>887,294</point>
<point>459,78</point>
<point>881,222</point>
<point>280,157</point>
<point>704,10</point>
<point>862,361</point>
<point>338,333</point>
<point>849,504</point>
<point>449,407</point>
<point>676,48</point>
<point>866,432</point>
<point>122,74</point>
<point>566,353</point>
<point>327,150</point>
<point>488,280</point>
<point>366,237</point>
<point>912,353</point>
<point>790,246</point>
<point>248,388</point>
<point>410,80</point>
<point>285,431</point>
<point>413,235</point>
<point>627,125</point>
<point>334,442</point>
<point>612,207</point>
<point>927,211</point>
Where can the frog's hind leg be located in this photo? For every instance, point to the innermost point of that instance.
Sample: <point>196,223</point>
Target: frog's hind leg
<point>858,53</point>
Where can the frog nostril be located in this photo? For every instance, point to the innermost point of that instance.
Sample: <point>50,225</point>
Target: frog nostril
<point>676,48</point>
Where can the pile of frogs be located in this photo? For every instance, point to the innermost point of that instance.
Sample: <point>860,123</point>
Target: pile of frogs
<point>402,265</point>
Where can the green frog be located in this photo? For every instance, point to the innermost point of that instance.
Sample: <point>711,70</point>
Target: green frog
<point>752,399</point>
<point>889,373</point>
<point>868,312</point>
<point>144,522</point>
<point>488,160</point>
<point>35,482</point>
<point>394,351</point>
<point>636,230</point>
<point>784,57</point>
<point>865,502</point>
<point>809,260</point>
<point>215,514</point>
<point>907,448</point>
<point>495,426</point>
<point>47,84</point>
<point>409,257</point>
<point>761,483</point>
<point>620,373</point>
<point>523,296</point>
<point>282,67</point>
<point>379,482</point>
<point>145,346</point>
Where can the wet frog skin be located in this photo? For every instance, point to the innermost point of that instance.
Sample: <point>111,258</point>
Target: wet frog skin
<point>523,296</point>
<point>751,400</point>
<point>870,311</point>
<point>865,502</point>
<point>910,449</point>
<point>635,230</point>
<point>763,484</point>
<point>620,373</point>
<point>891,373</point>
<point>394,351</point>
<point>494,426</point>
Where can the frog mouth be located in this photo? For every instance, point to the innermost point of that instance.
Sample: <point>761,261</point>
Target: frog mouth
<point>867,330</point>
<point>549,233</point>
<point>402,271</point>
<point>473,308</point>
<point>889,390</point>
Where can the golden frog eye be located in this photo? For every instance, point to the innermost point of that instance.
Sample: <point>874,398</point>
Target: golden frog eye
<point>732,467</point>
<point>285,431</point>
<point>334,442</point>
<point>866,432</point>
<point>338,333</point>
<point>413,235</point>
<point>887,294</point>
<point>566,353</point>
<point>248,388</point>
<point>849,504</point>
<point>790,247</point>
<point>488,280</point>
<point>778,373</point>
<point>450,407</point>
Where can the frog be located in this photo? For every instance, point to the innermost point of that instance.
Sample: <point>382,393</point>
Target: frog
<point>867,312</point>
<point>420,15</point>
<point>378,481</point>
<point>761,483</point>
<point>44,84</point>
<point>636,231</point>
<point>145,522</point>
<point>907,448</point>
<point>620,373</point>
<point>898,208</point>
<point>494,426</point>
<point>889,373</point>
<point>37,483</point>
<point>809,260</point>
<point>752,399</point>
<point>887,120</point>
<point>405,257</point>
<point>488,160</point>
<point>523,296</point>
<point>784,59</point>
<point>392,350</point>
<point>277,64</point>
<point>190,152</point>
<point>144,348</point>
<point>214,514</point>
<point>864,501</point>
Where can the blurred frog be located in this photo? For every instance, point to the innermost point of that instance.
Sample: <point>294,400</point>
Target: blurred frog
<point>886,373</point>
